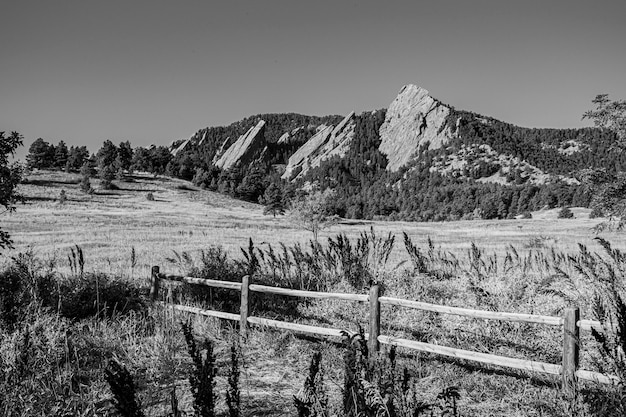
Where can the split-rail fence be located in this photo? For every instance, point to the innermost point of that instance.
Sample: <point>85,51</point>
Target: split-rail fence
<point>570,321</point>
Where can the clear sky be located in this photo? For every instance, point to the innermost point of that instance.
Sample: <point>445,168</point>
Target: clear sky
<point>154,71</point>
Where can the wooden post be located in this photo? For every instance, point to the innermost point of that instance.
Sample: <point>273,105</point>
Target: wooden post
<point>571,349</point>
<point>154,288</point>
<point>373,344</point>
<point>245,303</point>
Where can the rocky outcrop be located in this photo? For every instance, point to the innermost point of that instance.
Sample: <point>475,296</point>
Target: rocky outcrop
<point>288,136</point>
<point>413,119</point>
<point>181,147</point>
<point>326,143</point>
<point>245,149</point>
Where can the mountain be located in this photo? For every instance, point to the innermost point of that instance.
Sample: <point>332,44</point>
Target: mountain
<point>419,159</point>
<point>414,119</point>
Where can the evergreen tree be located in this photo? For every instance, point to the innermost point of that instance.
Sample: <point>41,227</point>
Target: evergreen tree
<point>274,200</point>
<point>125,155</point>
<point>77,157</point>
<point>40,155</point>
<point>60,155</point>
<point>106,154</point>
<point>85,183</point>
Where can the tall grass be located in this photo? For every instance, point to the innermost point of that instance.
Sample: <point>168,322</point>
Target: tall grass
<point>59,332</point>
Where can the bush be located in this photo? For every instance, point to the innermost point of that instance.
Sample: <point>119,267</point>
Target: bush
<point>62,197</point>
<point>22,288</point>
<point>150,197</point>
<point>85,185</point>
<point>95,295</point>
<point>565,213</point>
<point>596,212</point>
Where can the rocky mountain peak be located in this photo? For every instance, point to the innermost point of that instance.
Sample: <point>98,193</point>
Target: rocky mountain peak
<point>414,118</point>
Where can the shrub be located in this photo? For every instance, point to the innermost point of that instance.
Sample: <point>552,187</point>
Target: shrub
<point>202,377</point>
<point>23,287</point>
<point>596,212</point>
<point>62,197</point>
<point>371,387</point>
<point>85,185</point>
<point>150,197</point>
<point>123,388</point>
<point>566,213</point>
<point>95,294</point>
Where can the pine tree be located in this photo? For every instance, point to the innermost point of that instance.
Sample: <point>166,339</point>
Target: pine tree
<point>274,200</point>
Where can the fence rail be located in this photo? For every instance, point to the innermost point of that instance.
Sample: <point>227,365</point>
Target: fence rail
<point>570,322</point>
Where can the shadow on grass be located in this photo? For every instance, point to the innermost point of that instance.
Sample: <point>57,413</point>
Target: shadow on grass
<point>50,183</point>
<point>33,199</point>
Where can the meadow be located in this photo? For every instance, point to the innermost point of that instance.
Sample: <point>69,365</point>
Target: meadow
<point>123,234</point>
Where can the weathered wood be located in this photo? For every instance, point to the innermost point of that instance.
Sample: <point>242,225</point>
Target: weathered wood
<point>203,312</point>
<point>597,377</point>
<point>373,345</point>
<point>302,328</point>
<point>480,314</point>
<point>594,324</point>
<point>503,361</point>
<point>244,306</point>
<point>307,294</point>
<point>154,284</point>
<point>571,344</point>
<point>216,283</point>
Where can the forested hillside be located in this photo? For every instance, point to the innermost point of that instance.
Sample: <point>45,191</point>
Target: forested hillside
<point>481,167</point>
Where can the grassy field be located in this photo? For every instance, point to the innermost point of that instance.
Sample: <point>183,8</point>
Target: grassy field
<point>109,225</point>
<point>185,218</point>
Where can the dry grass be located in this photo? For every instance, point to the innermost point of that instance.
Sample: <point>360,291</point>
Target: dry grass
<point>186,219</point>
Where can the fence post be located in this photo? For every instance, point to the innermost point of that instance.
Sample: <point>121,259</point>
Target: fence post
<point>571,349</point>
<point>373,344</point>
<point>155,284</point>
<point>245,303</point>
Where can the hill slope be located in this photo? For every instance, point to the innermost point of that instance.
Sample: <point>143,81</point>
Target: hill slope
<point>420,159</point>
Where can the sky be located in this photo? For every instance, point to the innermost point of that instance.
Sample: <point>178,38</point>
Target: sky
<point>155,71</point>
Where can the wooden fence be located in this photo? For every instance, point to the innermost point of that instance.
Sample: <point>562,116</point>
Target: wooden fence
<point>571,323</point>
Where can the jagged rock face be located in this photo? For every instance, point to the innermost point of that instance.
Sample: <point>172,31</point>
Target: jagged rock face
<point>412,119</point>
<point>326,143</point>
<point>245,149</point>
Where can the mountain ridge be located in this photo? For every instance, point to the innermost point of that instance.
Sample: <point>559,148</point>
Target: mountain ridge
<point>418,143</point>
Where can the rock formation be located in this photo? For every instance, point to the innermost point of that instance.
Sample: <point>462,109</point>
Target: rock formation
<point>287,136</point>
<point>327,142</point>
<point>412,119</point>
<point>245,149</point>
<point>181,147</point>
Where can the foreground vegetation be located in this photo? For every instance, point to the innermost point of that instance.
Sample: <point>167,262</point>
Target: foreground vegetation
<point>71,313</point>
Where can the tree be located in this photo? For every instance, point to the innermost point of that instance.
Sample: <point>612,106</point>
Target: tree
<point>609,193</point>
<point>85,184</point>
<point>107,175</point>
<point>609,115</point>
<point>60,155</point>
<point>274,200</point>
<point>40,155</point>
<point>125,155</point>
<point>10,176</point>
<point>77,157</point>
<point>141,160</point>
<point>106,154</point>
<point>310,211</point>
